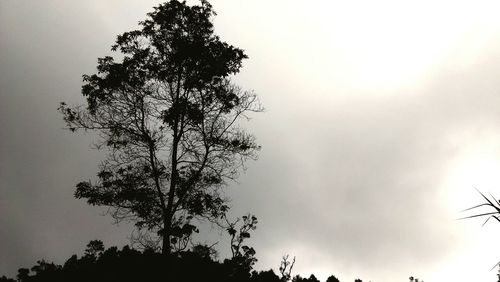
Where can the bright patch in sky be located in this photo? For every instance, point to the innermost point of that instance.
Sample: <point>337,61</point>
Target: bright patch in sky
<point>382,44</point>
<point>477,165</point>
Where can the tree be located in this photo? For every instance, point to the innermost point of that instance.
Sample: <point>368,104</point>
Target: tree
<point>242,256</point>
<point>286,267</point>
<point>94,248</point>
<point>169,117</point>
<point>313,278</point>
<point>332,278</point>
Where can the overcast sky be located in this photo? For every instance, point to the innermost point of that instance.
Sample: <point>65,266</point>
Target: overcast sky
<point>381,118</point>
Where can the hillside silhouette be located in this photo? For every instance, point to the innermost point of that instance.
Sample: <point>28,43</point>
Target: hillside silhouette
<point>128,264</point>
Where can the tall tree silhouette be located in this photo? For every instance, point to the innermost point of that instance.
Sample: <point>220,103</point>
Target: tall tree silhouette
<point>169,116</point>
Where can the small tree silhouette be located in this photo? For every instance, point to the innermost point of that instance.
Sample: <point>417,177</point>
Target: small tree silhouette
<point>243,256</point>
<point>94,248</point>
<point>286,267</point>
<point>332,279</point>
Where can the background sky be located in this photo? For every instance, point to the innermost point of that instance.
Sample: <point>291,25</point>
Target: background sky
<point>381,118</point>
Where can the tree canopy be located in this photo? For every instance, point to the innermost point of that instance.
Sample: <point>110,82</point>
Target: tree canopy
<point>169,117</point>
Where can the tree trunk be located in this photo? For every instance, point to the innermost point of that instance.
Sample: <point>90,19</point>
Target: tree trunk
<point>167,221</point>
<point>165,248</point>
<point>176,136</point>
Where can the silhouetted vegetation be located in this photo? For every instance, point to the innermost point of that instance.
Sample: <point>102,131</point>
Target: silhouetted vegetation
<point>131,265</point>
<point>286,267</point>
<point>243,256</point>
<point>168,115</point>
<point>491,211</point>
<point>127,264</point>
<point>5,279</point>
<point>332,279</point>
<point>413,279</point>
<point>311,278</point>
<point>492,204</point>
